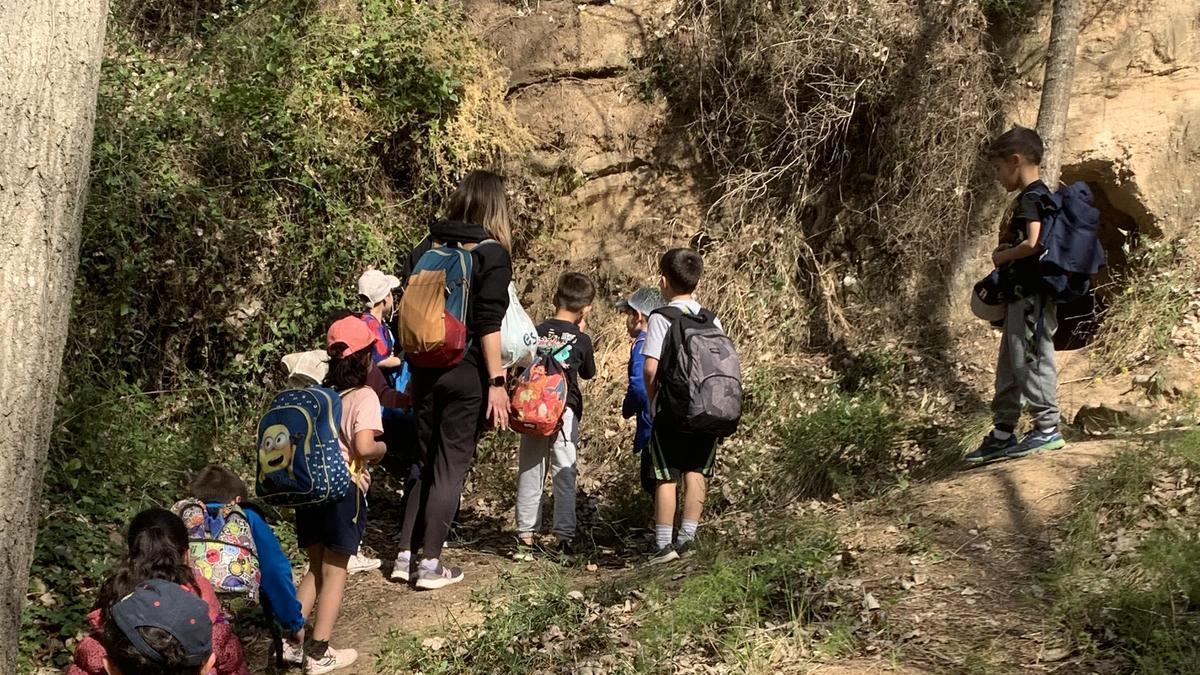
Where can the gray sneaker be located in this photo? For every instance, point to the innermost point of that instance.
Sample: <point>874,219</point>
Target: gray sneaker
<point>1036,442</point>
<point>431,580</point>
<point>400,568</point>
<point>686,550</point>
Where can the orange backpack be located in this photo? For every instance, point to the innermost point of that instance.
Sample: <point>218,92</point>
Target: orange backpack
<point>540,397</point>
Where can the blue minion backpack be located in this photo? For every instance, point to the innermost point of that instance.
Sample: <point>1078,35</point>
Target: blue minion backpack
<point>299,460</point>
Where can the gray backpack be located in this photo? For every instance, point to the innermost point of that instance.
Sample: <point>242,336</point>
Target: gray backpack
<point>700,378</point>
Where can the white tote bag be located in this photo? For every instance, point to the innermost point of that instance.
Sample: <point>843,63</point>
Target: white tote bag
<point>518,334</point>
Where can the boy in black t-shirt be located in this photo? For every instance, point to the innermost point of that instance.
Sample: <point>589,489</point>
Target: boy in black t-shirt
<point>1025,369</point>
<point>565,337</point>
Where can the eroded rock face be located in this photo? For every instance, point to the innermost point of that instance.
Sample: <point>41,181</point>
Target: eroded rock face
<point>633,179</point>
<point>1132,127</point>
<point>1134,110</point>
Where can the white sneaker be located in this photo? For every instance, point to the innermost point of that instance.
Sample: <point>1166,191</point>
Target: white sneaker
<point>400,568</point>
<point>362,563</point>
<point>334,659</point>
<point>293,655</point>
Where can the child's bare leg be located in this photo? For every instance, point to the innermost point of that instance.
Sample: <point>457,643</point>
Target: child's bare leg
<point>693,496</point>
<point>332,587</point>
<point>664,502</point>
<point>310,585</point>
<point>665,498</point>
<point>693,505</point>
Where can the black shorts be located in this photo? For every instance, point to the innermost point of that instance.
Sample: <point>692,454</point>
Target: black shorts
<point>646,472</point>
<point>339,525</point>
<point>674,453</point>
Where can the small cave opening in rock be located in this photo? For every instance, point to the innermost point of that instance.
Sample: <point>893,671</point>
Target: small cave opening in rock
<point>1124,221</point>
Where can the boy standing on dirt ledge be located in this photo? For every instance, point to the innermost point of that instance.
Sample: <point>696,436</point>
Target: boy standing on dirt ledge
<point>1025,370</point>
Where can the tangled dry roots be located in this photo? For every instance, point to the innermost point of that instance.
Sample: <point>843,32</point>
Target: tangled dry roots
<point>844,131</point>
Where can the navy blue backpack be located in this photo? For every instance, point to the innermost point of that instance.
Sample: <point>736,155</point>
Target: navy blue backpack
<point>1071,248</point>
<point>299,460</point>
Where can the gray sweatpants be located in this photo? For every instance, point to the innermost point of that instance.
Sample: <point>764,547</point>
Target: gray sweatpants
<point>557,454</point>
<point>1025,372</point>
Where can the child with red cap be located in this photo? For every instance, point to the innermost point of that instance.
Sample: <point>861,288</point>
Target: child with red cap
<point>331,532</point>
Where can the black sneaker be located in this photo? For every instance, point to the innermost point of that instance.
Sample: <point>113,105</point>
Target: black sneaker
<point>687,549</point>
<point>665,554</point>
<point>991,449</point>
<point>563,550</point>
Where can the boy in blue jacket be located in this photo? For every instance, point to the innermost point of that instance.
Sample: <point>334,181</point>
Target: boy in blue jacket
<point>217,486</point>
<point>637,310</point>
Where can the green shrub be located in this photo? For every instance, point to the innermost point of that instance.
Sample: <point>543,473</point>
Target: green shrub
<point>240,186</point>
<point>740,584</point>
<point>745,585</point>
<point>871,370</point>
<point>115,451</point>
<point>1150,303</point>
<point>1128,576</point>
<point>250,160</point>
<point>846,445</point>
<point>513,621</point>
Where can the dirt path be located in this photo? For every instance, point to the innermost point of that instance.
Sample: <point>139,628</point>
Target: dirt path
<point>375,606</point>
<point>955,566</point>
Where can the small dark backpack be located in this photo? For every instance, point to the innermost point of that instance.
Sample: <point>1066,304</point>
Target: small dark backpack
<point>1071,250</point>
<point>700,377</point>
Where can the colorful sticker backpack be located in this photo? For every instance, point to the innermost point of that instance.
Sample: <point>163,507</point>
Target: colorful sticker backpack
<point>299,460</point>
<point>433,309</point>
<point>221,547</point>
<point>540,397</point>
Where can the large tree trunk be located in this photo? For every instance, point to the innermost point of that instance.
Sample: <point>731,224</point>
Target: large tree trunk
<point>1056,86</point>
<point>50,53</point>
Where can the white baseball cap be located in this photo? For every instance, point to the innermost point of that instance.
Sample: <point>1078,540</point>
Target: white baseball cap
<point>305,369</point>
<point>375,286</point>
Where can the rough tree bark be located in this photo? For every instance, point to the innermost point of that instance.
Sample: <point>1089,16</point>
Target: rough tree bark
<point>1056,85</point>
<point>50,53</point>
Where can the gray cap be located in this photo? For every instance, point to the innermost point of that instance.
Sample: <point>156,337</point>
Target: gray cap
<point>643,301</point>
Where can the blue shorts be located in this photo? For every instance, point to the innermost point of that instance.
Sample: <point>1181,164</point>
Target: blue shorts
<point>339,526</point>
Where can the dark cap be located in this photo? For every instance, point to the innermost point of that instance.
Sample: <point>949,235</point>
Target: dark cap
<point>161,604</point>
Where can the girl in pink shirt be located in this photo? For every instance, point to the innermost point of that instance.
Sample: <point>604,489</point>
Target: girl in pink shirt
<point>332,532</point>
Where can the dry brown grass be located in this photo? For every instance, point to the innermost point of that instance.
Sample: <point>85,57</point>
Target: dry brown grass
<point>854,125</point>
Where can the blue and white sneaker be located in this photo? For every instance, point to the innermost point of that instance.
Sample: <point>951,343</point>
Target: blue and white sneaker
<point>1038,441</point>
<point>991,449</point>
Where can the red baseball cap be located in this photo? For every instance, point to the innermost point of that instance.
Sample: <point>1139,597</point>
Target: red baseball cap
<point>352,332</point>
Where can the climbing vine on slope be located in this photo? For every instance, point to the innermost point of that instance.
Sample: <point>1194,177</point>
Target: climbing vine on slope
<point>250,160</point>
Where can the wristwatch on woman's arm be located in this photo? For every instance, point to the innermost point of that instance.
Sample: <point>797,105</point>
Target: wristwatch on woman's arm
<point>497,381</point>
